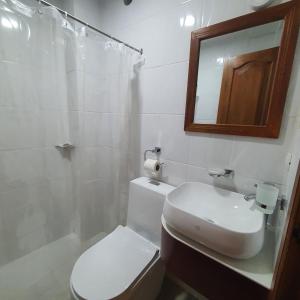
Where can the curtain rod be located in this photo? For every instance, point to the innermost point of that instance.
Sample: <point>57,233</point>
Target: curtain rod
<point>91,27</point>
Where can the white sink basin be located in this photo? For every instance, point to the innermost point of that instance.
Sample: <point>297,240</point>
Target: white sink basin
<point>219,219</point>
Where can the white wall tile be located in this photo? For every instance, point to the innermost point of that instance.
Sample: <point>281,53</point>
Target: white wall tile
<point>97,163</point>
<point>173,140</point>
<point>149,132</point>
<point>98,197</point>
<point>210,151</point>
<point>35,118</point>
<point>163,89</point>
<point>161,94</point>
<point>238,183</point>
<point>174,173</point>
<point>267,156</point>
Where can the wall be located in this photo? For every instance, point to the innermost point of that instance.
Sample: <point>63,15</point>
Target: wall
<point>156,26</point>
<point>88,10</point>
<point>66,5</point>
<point>46,194</point>
<point>165,70</point>
<point>157,119</point>
<point>36,197</point>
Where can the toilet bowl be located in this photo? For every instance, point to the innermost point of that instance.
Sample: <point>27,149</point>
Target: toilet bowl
<point>126,264</point>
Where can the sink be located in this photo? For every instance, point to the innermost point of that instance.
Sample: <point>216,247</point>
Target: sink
<point>219,219</point>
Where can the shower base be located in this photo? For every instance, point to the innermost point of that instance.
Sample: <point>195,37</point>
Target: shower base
<point>42,274</point>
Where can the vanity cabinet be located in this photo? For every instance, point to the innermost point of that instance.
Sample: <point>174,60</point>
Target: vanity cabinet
<point>205,275</point>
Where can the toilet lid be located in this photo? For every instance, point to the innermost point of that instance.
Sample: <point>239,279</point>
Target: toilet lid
<point>107,269</point>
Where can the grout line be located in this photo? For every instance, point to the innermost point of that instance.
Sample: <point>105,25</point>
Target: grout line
<point>166,64</point>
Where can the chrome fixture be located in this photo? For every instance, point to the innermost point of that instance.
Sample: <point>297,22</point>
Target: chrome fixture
<point>250,197</point>
<point>283,202</point>
<point>217,173</point>
<point>65,147</point>
<point>66,14</point>
<point>156,150</point>
<point>127,2</point>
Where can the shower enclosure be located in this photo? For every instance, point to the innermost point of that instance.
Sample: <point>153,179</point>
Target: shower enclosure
<point>65,105</point>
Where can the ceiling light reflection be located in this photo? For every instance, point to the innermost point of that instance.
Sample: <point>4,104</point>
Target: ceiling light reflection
<point>220,60</point>
<point>187,21</point>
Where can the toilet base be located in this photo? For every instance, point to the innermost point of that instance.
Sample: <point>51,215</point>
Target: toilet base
<point>147,286</point>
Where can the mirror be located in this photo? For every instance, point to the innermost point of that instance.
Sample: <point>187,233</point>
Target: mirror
<point>239,73</point>
<point>235,74</point>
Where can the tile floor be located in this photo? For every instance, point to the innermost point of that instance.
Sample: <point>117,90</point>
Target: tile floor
<point>44,274</point>
<point>173,290</point>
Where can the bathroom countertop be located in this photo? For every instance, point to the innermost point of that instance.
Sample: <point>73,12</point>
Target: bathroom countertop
<point>258,269</point>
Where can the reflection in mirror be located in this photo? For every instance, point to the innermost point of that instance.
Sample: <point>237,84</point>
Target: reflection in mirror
<point>235,76</point>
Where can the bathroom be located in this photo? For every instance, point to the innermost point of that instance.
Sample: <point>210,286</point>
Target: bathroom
<point>86,88</point>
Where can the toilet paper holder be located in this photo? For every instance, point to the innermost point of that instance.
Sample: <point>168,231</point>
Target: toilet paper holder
<point>156,150</point>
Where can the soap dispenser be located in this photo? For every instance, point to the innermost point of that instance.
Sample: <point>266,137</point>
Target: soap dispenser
<point>266,197</point>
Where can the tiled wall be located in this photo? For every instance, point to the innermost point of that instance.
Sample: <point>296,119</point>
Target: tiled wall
<point>155,26</point>
<point>158,117</point>
<point>45,100</point>
<point>35,191</point>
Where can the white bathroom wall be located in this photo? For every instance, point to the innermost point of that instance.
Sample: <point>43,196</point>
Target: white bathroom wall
<point>156,27</point>
<point>44,193</point>
<point>87,10</point>
<point>38,189</point>
<point>159,28</point>
<point>157,119</point>
<point>36,199</point>
<point>66,5</point>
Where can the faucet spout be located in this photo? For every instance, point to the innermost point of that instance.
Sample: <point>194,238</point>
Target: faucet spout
<point>250,197</point>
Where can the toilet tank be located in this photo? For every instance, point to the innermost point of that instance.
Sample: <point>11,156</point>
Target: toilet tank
<point>145,207</point>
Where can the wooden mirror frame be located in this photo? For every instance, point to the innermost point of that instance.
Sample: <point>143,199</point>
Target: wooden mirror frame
<point>289,13</point>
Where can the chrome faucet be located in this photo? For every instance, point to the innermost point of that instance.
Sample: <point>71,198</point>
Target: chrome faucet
<point>250,197</point>
<point>217,173</point>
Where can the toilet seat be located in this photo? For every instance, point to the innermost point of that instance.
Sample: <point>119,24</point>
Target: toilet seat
<point>110,267</point>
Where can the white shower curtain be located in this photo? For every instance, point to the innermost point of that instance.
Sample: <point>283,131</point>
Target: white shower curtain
<point>60,84</point>
<point>36,201</point>
<point>104,73</point>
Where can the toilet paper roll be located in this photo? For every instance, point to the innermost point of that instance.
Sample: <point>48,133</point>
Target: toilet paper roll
<point>152,167</point>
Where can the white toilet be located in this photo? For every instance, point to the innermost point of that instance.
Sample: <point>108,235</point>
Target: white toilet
<point>126,264</point>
